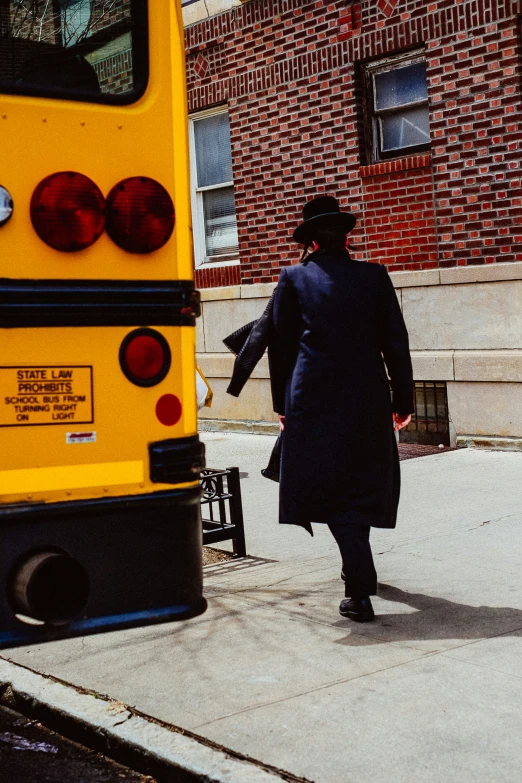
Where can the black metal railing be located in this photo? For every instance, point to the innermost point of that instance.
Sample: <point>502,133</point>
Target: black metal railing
<point>430,421</point>
<point>222,508</point>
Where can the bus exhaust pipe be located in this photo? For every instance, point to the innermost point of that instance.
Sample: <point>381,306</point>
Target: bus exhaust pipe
<point>50,588</point>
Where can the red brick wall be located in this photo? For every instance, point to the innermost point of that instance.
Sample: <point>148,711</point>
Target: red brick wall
<point>217,276</point>
<point>399,213</point>
<point>286,70</point>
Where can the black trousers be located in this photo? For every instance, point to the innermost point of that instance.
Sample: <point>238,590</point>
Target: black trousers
<point>359,570</point>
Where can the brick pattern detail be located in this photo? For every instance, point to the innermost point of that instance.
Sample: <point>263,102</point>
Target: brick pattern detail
<point>387,6</point>
<point>115,73</point>
<point>350,22</point>
<point>397,164</point>
<point>200,66</point>
<point>217,276</point>
<point>289,84</point>
<point>399,219</point>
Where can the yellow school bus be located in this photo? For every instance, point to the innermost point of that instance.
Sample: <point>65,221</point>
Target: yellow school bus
<point>99,458</point>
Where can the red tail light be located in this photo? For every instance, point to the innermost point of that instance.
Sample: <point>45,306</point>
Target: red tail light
<point>68,211</point>
<point>140,215</point>
<point>145,357</point>
<point>168,410</point>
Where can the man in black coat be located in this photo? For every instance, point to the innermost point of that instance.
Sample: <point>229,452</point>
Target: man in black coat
<point>336,324</point>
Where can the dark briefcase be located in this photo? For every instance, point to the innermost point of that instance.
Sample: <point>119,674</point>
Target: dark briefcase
<point>273,469</point>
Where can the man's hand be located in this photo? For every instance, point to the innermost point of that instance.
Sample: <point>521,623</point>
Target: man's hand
<point>399,422</point>
<point>282,422</point>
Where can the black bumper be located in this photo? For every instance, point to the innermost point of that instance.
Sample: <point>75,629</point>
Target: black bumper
<point>142,555</point>
<point>176,461</point>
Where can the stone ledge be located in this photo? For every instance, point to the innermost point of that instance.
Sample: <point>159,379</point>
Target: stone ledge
<point>432,365</point>
<point>495,366</point>
<point>220,365</point>
<point>503,366</point>
<point>223,292</point>
<point>418,278</point>
<point>489,442</point>
<point>459,275</point>
<point>198,10</point>
<point>243,426</point>
<point>259,290</point>
<point>489,273</point>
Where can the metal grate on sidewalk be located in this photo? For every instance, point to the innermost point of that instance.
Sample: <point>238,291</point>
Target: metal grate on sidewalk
<point>413,450</point>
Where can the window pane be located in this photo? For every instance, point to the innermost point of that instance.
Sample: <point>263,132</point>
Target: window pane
<point>213,153</point>
<point>400,86</point>
<point>76,15</point>
<point>430,402</point>
<point>83,48</point>
<point>420,402</point>
<point>407,128</point>
<point>220,222</point>
<point>441,401</point>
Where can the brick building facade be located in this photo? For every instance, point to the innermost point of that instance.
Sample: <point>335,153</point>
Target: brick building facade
<point>300,80</point>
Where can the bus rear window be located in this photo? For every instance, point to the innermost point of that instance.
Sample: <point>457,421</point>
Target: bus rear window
<point>88,50</point>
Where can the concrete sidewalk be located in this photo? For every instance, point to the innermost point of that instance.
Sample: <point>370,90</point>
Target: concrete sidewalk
<point>432,691</point>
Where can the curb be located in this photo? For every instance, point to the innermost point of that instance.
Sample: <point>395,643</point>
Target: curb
<point>487,442</point>
<point>151,747</point>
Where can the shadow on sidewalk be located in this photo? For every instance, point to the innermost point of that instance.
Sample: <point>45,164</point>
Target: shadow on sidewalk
<point>435,618</point>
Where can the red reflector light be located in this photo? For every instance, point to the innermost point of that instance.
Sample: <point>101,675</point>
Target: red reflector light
<point>68,211</point>
<point>145,357</point>
<point>140,215</point>
<point>168,410</point>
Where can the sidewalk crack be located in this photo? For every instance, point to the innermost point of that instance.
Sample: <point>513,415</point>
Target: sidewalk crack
<point>491,521</point>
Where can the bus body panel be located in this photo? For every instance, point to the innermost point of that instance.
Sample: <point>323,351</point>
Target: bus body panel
<point>88,395</point>
<point>99,501</point>
<point>107,144</point>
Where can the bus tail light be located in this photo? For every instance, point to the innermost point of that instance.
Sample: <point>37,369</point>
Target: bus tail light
<point>168,409</point>
<point>140,215</point>
<point>68,211</point>
<point>145,357</point>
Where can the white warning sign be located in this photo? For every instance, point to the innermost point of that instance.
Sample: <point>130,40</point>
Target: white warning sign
<point>80,437</point>
<point>47,395</point>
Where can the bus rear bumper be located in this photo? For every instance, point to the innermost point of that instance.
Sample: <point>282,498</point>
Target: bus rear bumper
<point>141,554</point>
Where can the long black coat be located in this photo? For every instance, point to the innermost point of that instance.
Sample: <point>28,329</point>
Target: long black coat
<point>334,321</point>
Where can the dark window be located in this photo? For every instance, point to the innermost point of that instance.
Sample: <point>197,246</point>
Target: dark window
<point>430,422</point>
<point>91,50</point>
<point>396,107</point>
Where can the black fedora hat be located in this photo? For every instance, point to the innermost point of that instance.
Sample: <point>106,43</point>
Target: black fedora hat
<point>322,212</point>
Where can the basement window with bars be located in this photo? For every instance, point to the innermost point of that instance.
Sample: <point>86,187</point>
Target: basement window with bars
<point>213,205</point>
<point>430,421</point>
<point>396,108</point>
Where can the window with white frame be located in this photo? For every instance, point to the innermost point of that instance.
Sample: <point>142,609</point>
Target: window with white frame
<point>396,103</point>
<point>213,206</point>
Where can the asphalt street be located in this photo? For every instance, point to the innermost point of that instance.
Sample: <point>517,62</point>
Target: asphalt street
<point>30,753</point>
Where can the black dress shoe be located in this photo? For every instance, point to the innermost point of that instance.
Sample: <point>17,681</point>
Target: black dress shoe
<point>358,609</point>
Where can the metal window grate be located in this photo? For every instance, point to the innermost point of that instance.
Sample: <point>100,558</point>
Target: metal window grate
<point>430,422</point>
